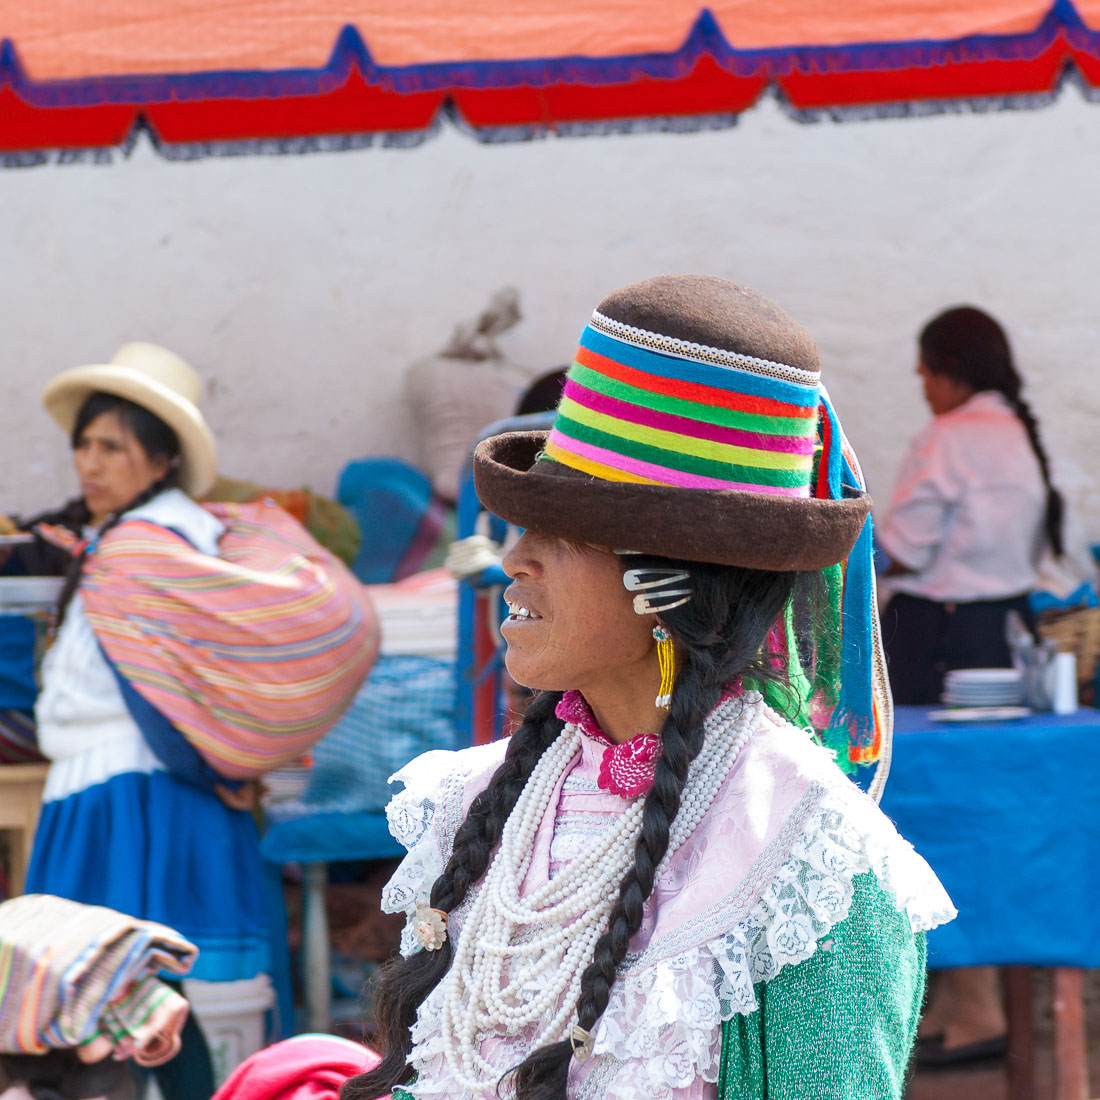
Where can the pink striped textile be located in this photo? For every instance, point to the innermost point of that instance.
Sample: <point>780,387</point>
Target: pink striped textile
<point>574,450</point>
<point>70,973</point>
<point>252,655</point>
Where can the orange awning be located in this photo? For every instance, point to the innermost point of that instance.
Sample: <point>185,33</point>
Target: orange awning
<point>279,74</point>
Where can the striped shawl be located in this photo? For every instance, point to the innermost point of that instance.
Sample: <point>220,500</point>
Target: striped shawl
<point>253,655</point>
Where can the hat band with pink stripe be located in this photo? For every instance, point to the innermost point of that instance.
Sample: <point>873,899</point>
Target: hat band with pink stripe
<point>645,408</point>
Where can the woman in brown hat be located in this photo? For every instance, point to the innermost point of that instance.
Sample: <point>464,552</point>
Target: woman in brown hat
<point>664,884</point>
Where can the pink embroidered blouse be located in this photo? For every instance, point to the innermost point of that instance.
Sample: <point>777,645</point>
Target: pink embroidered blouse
<point>766,875</point>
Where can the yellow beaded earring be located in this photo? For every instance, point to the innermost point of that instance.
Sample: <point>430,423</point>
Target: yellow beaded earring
<point>666,658</point>
<point>656,592</point>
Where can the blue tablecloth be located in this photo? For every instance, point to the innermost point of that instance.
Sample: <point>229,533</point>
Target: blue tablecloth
<point>1008,815</point>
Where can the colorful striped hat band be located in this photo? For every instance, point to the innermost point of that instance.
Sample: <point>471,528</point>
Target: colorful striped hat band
<point>651,409</point>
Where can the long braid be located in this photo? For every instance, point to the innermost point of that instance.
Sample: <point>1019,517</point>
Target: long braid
<point>719,635</point>
<point>76,568</point>
<point>964,342</point>
<point>1055,504</point>
<point>403,984</point>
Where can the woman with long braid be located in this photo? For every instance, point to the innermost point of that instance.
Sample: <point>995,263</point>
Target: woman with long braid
<point>973,510</point>
<point>663,884</point>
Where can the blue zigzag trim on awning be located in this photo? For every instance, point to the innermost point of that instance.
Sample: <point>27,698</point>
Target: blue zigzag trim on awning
<point>706,38</point>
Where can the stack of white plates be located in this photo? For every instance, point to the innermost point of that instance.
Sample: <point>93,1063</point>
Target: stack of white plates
<point>983,687</point>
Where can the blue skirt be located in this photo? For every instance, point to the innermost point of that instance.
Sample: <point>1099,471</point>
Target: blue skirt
<point>154,847</point>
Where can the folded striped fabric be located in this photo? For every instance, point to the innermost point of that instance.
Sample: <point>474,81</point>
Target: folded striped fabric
<point>252,655</point>
<point>71,974</point>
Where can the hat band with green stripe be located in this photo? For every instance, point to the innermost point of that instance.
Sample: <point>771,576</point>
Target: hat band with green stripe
<point>645,408</point>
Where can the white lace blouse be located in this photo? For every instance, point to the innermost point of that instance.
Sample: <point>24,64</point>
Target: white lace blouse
<point>84,725</point>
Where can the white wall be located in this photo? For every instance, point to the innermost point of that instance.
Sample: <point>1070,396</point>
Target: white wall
<point>301,286</point>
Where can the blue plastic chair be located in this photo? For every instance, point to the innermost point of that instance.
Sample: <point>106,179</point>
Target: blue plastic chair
<point>392,503</point>
<point>479,715</point>
<point>400,521</point>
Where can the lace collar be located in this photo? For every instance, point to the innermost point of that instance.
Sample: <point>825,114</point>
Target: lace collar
<point>758,887</point>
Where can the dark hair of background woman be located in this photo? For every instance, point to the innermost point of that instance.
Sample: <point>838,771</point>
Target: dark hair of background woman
<point>544,393</point>
<point>719,635</point>
<point>156,439</point>
<point>967,344</point>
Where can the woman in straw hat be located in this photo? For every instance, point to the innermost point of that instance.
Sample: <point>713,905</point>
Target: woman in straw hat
<point>121,827</point>
<point>663,884</point>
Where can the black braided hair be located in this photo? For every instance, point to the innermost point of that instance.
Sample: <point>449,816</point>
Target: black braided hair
<point>719,636</point>
<point>402,984</point>
<point>156,439</point>
<point>967,344</point>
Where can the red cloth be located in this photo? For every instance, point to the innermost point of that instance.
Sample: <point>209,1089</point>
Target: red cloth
<point>307,1067</point>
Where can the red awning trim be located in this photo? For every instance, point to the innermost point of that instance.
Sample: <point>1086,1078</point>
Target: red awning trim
<point>352,101</point>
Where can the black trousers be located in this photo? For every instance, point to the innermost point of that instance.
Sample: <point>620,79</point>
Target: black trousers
<point>925,639</point>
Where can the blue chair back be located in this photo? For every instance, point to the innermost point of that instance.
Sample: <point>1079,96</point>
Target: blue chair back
<point>390,501</point>
<point>18,689</point>
<point>480,600</point>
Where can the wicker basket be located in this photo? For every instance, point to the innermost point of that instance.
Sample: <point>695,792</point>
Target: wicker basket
<point>1076,631</point>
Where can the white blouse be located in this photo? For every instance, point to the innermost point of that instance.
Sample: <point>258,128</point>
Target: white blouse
<point>966,515</point>
<point>84,725</point>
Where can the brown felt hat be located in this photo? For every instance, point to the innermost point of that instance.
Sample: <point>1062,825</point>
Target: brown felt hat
<point>693,425</point>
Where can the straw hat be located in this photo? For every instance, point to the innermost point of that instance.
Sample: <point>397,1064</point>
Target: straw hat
<point>693,425</point>
<point>156,379</point>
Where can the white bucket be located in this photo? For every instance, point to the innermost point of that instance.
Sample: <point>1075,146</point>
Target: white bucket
<point>232,1017</point>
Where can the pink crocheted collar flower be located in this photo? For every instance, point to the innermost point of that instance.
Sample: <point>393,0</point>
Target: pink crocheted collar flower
<point>625,769</point>
<point>572,708</point>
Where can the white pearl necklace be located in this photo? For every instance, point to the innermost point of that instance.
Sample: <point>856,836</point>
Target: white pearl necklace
<point>519,963</point>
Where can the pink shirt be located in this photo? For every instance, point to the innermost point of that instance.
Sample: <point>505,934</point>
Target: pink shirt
<point>767,872</point>
<point>966,514</point>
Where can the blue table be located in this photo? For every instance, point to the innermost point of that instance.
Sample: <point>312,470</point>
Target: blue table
<point>315,841</point>
<point>1008,815</point>
<point>330,838</point>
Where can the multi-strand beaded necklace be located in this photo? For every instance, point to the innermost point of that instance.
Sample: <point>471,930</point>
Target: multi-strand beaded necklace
<point>519,963</point>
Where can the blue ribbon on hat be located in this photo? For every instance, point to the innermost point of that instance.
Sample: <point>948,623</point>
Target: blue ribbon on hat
<point>852,724</point>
